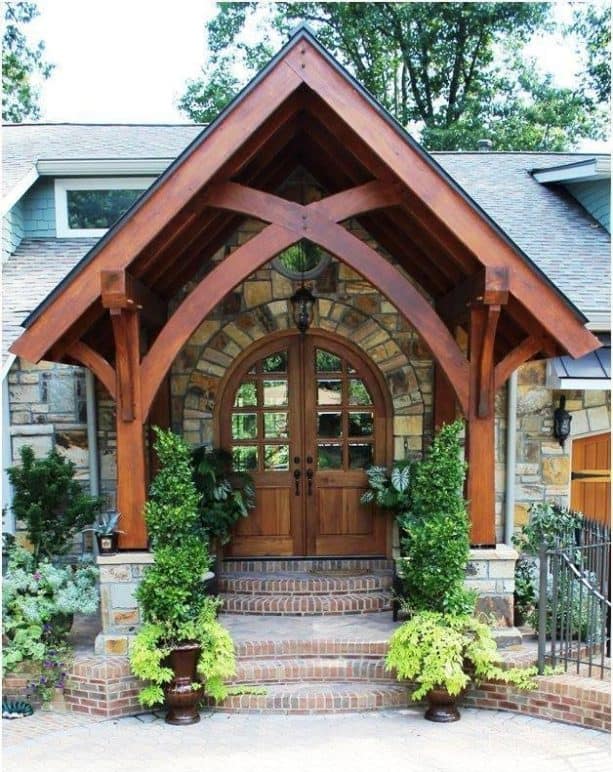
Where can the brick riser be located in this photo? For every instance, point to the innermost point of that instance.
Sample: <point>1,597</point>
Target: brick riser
<point>267,671</point>
<point>309,648</point>
<point>306,605</point>
<point>234,566</point>
<point>258,584</point>
<point>332,697</point>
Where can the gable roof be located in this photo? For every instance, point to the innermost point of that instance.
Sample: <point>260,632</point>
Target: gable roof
<point>463,234</point>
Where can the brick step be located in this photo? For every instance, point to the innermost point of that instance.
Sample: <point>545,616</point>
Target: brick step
<point>293,648</point>
<point>303,583</point>
<point>306,605</point>
<point>264,671</point>
<point>265,565</point>
<point>331,697</point>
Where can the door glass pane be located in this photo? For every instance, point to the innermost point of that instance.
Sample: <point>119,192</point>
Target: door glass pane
<point>360,456</point>
<point>275,393</point>
<point>275,425</point>
<point>245,458</point>
<point>325,362</point>
<point>358,393</point>
<point>244,426</point>
<point>246,395</point>
<point>276,457</point>
<point>329,456</point>
<point>329,425</point>
<point>275,363</point>
<point>360,424</point>
<point>329,392</point>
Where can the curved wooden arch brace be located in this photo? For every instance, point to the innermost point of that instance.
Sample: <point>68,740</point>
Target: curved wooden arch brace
<point>96,363</point>
<point>298,222</point>
<point>515,358</point>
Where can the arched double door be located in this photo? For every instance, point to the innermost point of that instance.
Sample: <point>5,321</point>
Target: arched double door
<point>305,416</point>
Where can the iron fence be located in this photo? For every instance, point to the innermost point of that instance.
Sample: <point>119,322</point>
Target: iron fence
<point>574,607</point>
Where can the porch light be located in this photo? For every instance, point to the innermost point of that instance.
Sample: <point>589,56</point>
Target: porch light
<point>561,422</point>
<point>302,300</point>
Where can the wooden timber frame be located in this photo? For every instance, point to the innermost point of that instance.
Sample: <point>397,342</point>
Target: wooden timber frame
<point>455,277</point>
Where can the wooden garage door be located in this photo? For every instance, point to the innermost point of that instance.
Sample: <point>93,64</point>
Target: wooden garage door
<point>591,477</point>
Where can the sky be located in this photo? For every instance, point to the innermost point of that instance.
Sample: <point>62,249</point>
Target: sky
<point>127,61</point>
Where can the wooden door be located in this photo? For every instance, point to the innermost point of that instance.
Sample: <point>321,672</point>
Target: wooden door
<point>591,477</point>
<point>305,416</point>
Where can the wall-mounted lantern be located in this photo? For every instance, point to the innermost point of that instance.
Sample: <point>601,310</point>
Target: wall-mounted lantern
<point>561,422</point>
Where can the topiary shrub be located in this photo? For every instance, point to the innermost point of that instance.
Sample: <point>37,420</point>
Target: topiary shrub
<point>171,596</point>
<point>434,530</point>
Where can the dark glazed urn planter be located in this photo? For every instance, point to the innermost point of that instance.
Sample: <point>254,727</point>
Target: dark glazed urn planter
<point>181,700</point>
<point>107,543</point>
<point>441,706</point>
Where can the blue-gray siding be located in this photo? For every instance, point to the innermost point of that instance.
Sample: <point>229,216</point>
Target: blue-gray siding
<point>594,196</point>
<point>39,210</point>
<point>12,230</point>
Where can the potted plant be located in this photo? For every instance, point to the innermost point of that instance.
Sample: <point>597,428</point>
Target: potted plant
<point>106,531</point>
<point>225,496</point>
<point>181,649</point>
<point>442,653</point>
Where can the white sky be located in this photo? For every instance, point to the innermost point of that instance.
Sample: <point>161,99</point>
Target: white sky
<point>128,60</point>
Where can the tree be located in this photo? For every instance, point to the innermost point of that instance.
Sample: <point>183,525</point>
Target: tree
<point>21,63</point>
<point>592,25</point>
<point>452,72</point>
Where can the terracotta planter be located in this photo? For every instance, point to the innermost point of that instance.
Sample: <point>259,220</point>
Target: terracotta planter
<point>181,699</point>
<point>441,706</point>
<point>107,543</point>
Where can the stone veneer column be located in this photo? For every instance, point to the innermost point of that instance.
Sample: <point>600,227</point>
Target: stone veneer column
<point>120,575</point>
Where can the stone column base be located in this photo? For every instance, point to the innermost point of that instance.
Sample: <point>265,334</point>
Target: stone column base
<point>491,572</point>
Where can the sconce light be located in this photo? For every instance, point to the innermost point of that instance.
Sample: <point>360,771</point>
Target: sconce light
<point>561,422</point>
<point>302,300</point>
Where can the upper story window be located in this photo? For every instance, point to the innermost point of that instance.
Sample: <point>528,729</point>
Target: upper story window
<point>88,207</point>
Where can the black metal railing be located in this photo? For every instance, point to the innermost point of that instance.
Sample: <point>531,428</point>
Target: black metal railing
<point>574,607</point>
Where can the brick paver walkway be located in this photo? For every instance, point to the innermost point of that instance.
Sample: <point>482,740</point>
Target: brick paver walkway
<point>363,742</point>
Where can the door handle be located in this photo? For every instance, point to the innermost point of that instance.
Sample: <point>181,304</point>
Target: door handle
<point>297,481</point>
<point>309,474</point>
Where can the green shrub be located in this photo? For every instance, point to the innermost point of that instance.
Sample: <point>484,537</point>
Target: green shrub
<point>434,530</point>
<point>51,503</point>
<point>171,595</point>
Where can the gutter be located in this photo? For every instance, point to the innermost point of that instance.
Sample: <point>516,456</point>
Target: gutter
<point>510,459</point>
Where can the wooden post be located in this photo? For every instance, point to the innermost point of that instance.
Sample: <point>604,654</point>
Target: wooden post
<point>159,416</point>
<point>131,487</point>
<point>480,450</point>
<point>444,403</point>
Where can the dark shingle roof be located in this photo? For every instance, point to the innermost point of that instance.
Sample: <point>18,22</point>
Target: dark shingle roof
<point>560,237</point>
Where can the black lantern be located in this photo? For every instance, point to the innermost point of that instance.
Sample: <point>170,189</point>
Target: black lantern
<point>561,422</point>
<point>302,300</point>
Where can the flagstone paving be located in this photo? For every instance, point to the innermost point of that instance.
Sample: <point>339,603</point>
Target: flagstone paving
<point>362,742</point>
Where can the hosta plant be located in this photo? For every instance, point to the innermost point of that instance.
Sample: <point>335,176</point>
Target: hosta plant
<point>435,650</point>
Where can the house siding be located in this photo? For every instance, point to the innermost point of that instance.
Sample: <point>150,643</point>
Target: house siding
<point>12,230</point>
<point>39,210</point>
<point>595,197</point>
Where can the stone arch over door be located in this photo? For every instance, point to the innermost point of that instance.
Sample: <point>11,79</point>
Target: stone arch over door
<point>306,415</point>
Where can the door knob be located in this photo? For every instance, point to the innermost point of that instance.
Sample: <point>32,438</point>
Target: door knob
<point>309,474</point>
<point>296,459</point>
<point>297,481</point>
<point>309,459</point>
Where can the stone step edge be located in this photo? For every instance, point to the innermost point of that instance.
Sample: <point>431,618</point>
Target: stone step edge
<point>329,697</point>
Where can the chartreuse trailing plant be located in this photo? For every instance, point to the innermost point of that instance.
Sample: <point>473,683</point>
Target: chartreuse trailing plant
<point>174,606</point>
<point>436,650</point>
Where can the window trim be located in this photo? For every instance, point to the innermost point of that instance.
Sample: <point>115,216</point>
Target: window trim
<point>62,186</point>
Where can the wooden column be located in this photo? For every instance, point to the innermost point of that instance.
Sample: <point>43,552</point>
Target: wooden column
<point>444,403</point>
<point>131,487</point>
<point>158,416</point>
<point>480,449</point>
